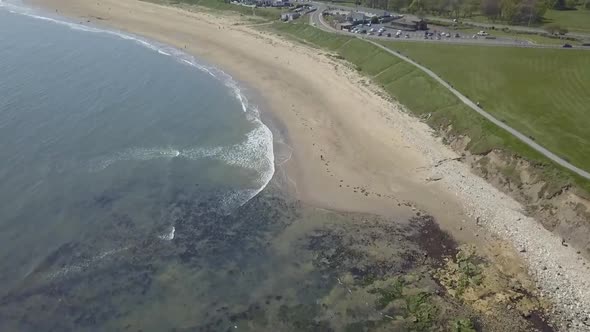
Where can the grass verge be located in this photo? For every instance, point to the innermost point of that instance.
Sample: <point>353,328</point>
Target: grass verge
<point>266,14</point>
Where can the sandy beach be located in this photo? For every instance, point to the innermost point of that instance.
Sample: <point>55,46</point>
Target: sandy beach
<point>355,151</point>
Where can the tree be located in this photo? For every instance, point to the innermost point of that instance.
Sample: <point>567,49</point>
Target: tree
<point>529,11</point>
<point>398,5</point>
<point>509,9</point>
<point>454,7</point>
<point>417,6</point>
<point>491,9</point>
<point>468,7</point>
<point>557,4</point>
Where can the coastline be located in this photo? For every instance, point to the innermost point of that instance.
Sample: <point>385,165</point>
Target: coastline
<point>339,129</point>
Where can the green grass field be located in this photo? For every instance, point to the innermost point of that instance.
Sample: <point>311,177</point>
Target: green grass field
<point>543,93</point>
<point>540,93</point>
<point>575,20</point>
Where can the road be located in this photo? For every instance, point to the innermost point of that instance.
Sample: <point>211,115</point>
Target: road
<point>502,26</point>
<point>316,18</point>
<point>419,36</point>
<point>464,21</point>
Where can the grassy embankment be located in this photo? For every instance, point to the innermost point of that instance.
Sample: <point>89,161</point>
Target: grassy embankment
<point>262,14</point>
<point>536,91</point>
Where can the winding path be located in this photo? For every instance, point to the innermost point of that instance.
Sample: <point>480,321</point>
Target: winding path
<point>316,17</point>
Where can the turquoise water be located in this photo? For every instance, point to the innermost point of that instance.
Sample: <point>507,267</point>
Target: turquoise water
<point>96,124</point>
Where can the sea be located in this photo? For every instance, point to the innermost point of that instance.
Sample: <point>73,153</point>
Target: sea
<point>141,191</point>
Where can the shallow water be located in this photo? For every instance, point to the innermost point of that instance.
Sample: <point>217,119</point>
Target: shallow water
<point>95,123</point>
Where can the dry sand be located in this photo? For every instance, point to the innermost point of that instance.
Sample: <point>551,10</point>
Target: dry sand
<point>353,150</point>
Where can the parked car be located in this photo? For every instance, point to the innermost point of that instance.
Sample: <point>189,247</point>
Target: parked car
<point>407,36</point>
<point>482,33</point>
<point>457,35</point>
<point>567,46</point>
<point>389,34</point>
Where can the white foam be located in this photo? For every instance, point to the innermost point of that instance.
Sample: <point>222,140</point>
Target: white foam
<point>83,265</point>
<point>255,153</point>
<point>133,154</point>
<point>168,236</point>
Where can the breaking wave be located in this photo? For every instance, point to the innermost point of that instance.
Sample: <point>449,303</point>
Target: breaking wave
<point>256,152</point>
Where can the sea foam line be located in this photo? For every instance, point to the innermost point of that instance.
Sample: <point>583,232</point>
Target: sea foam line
<point>261,138</point>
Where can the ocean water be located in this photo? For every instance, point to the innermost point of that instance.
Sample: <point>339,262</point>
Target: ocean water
<point>95,123</point>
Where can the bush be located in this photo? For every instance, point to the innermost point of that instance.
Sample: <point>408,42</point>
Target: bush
<point>463,325</point>
<point>556,29</point>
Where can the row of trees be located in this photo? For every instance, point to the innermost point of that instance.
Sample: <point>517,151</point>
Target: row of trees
<point>513,11</point>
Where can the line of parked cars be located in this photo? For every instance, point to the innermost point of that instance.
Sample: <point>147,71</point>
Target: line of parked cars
<point>439,35</point>
<point>372,31</point>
